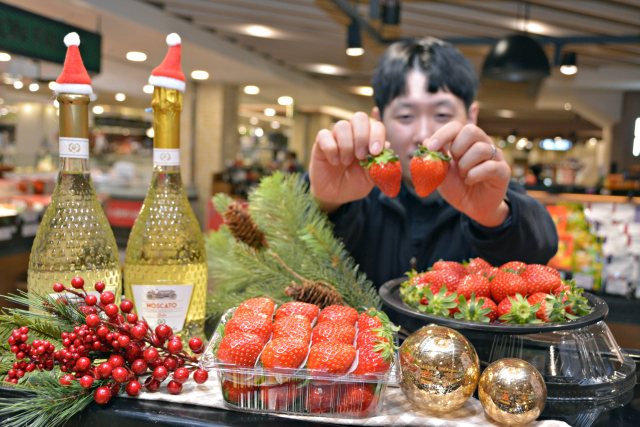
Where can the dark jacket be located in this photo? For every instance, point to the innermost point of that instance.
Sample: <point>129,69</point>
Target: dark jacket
<point>384,234</point>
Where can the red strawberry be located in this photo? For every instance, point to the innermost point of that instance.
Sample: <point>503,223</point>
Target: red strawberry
<point>473,310</point>
<point>369,339</point>
<point>428,170</point>
<point>474,283</point>
<point>284,353</point>
<point>517,266</point>
<point>332,358</point>
<point>437,278</point>
<point>476,265</point>
<point>551,308</point>
<point>357,399</point>
<point>259,305</point>
<point>338,312</point>
<point>539,280</point>
<point>442,304</point>
<point>489,273</point>
<point>572,299</point>
<point>544,268</point>
<point>294,326</point>
<point>241,349</point>
<point>334,332</point>
<point>372,361</point>
<point>310,311</point>
<point>517,310</point>
<point>238,394</point>
<point>280,397</point>
<point>507,284</point>
<point>322,398</point>
<point>456,267</point>
<point>385,171</point>
<point>368,320</point>
<point>256,323</point>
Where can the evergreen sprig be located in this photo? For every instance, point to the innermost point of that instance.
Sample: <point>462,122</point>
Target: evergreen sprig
<point>300,233</point>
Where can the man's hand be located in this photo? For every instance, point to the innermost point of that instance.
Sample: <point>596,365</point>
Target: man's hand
<point>334,171</point>
<point>477,182</point>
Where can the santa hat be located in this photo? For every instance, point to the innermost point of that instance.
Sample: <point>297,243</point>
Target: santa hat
<point>169,73</point>
<point>74,78</point>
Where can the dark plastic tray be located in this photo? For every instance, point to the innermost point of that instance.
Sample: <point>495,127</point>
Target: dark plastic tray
<point>390,295</point>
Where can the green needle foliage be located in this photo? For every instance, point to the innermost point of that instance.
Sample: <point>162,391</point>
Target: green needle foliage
<point>295,229</point>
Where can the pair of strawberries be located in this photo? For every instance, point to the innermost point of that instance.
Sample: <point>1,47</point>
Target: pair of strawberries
<point>428,170</point>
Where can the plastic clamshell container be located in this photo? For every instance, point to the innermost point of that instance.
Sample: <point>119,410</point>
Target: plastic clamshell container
<point>298,391</point>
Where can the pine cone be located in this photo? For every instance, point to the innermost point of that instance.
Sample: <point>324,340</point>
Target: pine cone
<point>319,293</point>
<point>242,226</point>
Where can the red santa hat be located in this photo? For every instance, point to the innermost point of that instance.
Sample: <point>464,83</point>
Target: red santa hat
<point>169,73</point>
<point>74,78</point>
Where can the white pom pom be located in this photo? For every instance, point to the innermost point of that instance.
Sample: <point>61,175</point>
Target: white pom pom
<point>173,39</point>
<point>72,39</point>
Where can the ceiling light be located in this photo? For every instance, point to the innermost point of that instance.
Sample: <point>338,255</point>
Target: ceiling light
<point>354,40</point>
<point>391,12</point>
<point>511,139</point>
<point>517,58</point>
<point>269,112</point>
<point>4,57</point>
<point>33,87</point>
<point>355,51</point>
<point>275,125</point>
<point>533,27</point>
<point>567,106</point>
<point>507,114</point>
<point>259,31</point>
<point>285,100</point>
<point>242,130</point>
<point>568,63</point>
<point>52,85</point>
<point>254,121</point>
<point>136,56</point>
<point>147,89</point>
<point>98,109</point>
<point>593,141</point>
<point>18,84</point>
<point>120,97</point>
<point>150,132</point>
<point>199,75</point>
<point>251,90</point>
<point>259,132</point>
<point>326,69</point>
<point>363,90</point>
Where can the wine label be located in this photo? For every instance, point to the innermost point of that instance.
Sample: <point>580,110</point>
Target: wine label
<point>166,156</point>
<point>165,304</point>
<point>77,148</point>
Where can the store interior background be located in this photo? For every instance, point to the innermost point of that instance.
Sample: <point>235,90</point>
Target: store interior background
<point>293,52</point>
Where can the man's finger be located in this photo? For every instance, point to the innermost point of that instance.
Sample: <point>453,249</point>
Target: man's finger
<point>343,134</point>
<point>327,147</point>
<point>476,154</point>
<point>466,138</point>
<point>443,136</point>
<point>360,124</point>
<point>377,138</point>
<point>490,170</point>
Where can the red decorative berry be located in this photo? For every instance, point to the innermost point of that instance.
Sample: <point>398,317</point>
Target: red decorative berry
<point>175,337</point>
<point>110,310</point>
<point>66,380</point>
<point>155,363</point>
<point>139,367</point>
<point>170,362</point>
<point>200,376</point>
<point>196,344</point>
<point>132,318</point>
<point>116,360</point>
<point>160,373</point>
<point>133,388</point>
<point>105,369</point>
<point>83,364</point>
<point>91,300</point>
<point>123,341</point>
<point>174,346</point>
<point>164,331</point>
<point>102,395</point>
<point>86,381</point>
<point>99,286</point>
<point>138,332</point>
<point>126,306</point>
<point>107,298</point>
<point>120,375</point>
<point>174,387</point>
<point>93,320</point>
<point>181,375</point>
<point>77,282</point>
<point>58,287</point>
<point>150,354</point>
<point>157,341</point>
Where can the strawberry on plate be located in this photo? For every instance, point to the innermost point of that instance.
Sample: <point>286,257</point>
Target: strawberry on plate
<point>540,281</point>
<point>572,299</point>
<point>310,311</point>
<point>250,321</point>
<point>258,305</point>
<point>357,399</point>
<point>544,268</point>
<point>507,284</point>
<point>339,331</point>
<point>240,348</point>
<point>428,170</point>
<point>331,358</point>
<point>284,353</point>
<point>476,265</point>
<point>438,279</point>
<point>442,304</point>
<point>294,326</point>
<point>454,266</point>
<point>477,309</point>
<point>515,266</point>
<point>551,308</point>
<point>338,312</point>
<point>517,310</point>
<point>474,283</point>
<point>385,171</point>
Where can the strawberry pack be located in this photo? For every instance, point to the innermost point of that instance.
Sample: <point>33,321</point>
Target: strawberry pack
<point>298,359</point>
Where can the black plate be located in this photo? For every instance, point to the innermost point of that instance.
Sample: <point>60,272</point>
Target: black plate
<point>390,294</point>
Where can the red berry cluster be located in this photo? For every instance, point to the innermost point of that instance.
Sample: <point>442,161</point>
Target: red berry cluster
<point>134,350</point>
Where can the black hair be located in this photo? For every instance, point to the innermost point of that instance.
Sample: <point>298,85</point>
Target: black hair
<point>444,65</point>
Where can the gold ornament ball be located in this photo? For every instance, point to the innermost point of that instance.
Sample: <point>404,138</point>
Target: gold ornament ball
<point>440,369</point>
<point>512,392</point>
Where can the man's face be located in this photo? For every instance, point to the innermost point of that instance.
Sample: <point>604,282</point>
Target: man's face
<point>413,117</point>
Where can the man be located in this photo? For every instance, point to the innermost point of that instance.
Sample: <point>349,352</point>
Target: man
<point>425,94</point>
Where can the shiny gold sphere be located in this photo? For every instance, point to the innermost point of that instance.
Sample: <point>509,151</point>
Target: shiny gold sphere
<point>440,369</point>
<point>512,392</point>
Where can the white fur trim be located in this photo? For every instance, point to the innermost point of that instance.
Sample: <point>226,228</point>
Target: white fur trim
<point>77,89</point>
<point>168,82</point>
<point>173,39</point>
<point>72,39</point>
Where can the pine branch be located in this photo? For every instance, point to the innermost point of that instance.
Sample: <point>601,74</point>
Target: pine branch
<point>221,201</point>
<point>40,328</point>
<point>57,310</point>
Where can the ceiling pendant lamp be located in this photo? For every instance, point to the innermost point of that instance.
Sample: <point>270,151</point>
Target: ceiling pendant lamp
<point>517,58</point>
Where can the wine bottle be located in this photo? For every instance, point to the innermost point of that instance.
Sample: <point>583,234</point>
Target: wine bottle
<point>165,272</point>
<point>74,237</point>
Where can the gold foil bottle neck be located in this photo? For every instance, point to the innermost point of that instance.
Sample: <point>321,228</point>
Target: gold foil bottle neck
<point>74,115</point>
<point>167,105</point>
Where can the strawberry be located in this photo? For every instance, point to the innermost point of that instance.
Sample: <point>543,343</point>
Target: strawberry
<point>240,349</point>
<point>370,339</point>
<point>338,312</point>
<point>476,265</point>
<point>332,358</point>
<point>428,170</point>
<point>474,283</point>
<point>441,304</point>
<point>577,304</point>
<point>516,267</point>
<point>385,171</point>
<point>433,279</point>
<point>551,307</point>
<point>357,399</point>
<point>507,284</point>
<point>310,311</point>
<point>334,332</point>
<point>373,359</point>
<point>259,305</point>
<point>517,310</point>
<point>250,321</point>
<point>368,320</point>
<point>238,394</point>
<point>539,280</point>
<point>284,353</point>
<point>456,267</point>
<point>321,398</point>
<point>478,309</point>
<point>281,397</point>
<point>544,268</point>
<point>294,326</point>
<point>489,273</point>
